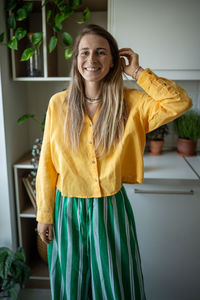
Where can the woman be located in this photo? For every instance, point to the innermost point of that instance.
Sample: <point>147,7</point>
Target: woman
<point>93,142</point>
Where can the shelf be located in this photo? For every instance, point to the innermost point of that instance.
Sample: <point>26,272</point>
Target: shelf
<point>29,212</point>
<point>24,162</point>
<point>33,24</point>
<point>54,66</point>
<point>39,269</point>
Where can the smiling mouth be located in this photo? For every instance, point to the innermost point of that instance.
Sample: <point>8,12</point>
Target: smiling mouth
<point>92,69</point>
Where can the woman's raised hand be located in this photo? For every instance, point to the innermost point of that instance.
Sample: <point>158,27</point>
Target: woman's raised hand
<point>45,232</point>
<point>133,62</point>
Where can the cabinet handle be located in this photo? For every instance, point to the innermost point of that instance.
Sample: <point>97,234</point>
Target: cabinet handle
<point>138,191</point>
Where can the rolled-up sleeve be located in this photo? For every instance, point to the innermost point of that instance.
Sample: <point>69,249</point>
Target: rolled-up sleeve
<point>163,100</point>
<point>46,178</point>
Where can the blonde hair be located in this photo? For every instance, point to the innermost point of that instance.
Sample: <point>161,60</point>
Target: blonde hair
<point>109,126</point>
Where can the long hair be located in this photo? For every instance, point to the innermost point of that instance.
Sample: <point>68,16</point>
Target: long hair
<point>109,126</point>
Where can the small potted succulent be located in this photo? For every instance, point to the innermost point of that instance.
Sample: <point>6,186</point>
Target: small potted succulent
<point>14,273</point>
<point>187,128</point>
<point>156,139</point>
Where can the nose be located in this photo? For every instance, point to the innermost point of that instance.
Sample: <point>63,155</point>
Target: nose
<point>92,57</point>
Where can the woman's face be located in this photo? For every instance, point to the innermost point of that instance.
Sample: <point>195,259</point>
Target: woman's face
<point>94,58</point>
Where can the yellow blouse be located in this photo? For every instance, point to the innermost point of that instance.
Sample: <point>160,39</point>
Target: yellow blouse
<point>82,174</point>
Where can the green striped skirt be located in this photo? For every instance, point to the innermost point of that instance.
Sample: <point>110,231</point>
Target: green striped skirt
<point>94,253</point>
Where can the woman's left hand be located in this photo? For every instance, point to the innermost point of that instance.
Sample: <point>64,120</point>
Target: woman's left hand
<point>133,60</point>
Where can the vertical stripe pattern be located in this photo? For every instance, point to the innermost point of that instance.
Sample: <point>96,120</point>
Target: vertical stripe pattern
<point>94,254</point>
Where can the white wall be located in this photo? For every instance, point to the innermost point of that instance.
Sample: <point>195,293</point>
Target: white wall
<point>14,141</point>
<point>193,89</point>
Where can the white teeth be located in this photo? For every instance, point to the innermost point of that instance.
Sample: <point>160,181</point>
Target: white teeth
<point>92,69</point>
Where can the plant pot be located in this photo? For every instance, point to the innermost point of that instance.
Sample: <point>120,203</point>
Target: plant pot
<point>156,147</point>
<point>186,147</point>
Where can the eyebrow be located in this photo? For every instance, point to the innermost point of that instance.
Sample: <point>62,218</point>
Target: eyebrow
<point>86,48</point>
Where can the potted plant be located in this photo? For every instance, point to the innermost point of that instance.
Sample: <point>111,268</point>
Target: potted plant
<point>156,139</point>
<point>14,273</point>
<point>187,127</point>
<point>19,11</point>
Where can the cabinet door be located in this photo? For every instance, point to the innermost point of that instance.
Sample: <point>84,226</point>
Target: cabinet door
<point>167,222</point>
<point>164,33</point>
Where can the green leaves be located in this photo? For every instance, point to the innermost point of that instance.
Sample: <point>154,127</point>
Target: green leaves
<point>85,16</point>
<point>24,118</point>
<point>36,38</point>
<point>20,33</point>
<point>52,43</point>
<point>67,39</point>
<point>22,14</point>
<point>28,7</point>
<point>49,15</point>
<point>13,270</point>
<point>187,125</point>
<point>59,18</point>
<point>28,52</point>
<point>12,44</point>
<point>68,53</point>
<point>11,21</point>
<point>57,13</point>
<point>75,3</point>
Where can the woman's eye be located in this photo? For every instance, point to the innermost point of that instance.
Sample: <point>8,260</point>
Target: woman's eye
<point>84,53</point>
<point>101,53</point>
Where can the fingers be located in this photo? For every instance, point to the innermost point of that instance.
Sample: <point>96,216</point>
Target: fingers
<point>45,232</point>
<point>127,52</point>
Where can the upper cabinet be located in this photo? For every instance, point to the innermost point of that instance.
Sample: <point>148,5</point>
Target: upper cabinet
<point>52,66</point>
<point>165,34</point>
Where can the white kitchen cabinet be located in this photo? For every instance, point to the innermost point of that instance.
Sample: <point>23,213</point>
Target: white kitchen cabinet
<point>164,33</point>
<point>167,221</point>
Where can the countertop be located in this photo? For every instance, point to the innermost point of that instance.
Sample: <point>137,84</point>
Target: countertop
<point>170,165</point>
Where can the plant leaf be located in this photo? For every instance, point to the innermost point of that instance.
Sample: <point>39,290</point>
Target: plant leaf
<point>52,43</point>
<point>59,18</point>
<point>27,54</point>
<point>57,28</point>
<point>28,7</point>
<point>85,16</point>
<point>67,11</point>
<point>20,33</point>
<point>3,258</point>
<point>49,14</point>
<point>20,254</point>
<point>13,293</point>
<point>11,22</point>
<point>68,53</point>
<point>21,14</point>
<point>24,118</point>
<point>75,3</point>
<point>36,38</point>
<point>13,44</point>
<point>10,4</point>
<point>2,36</point>
<point>67,39</point>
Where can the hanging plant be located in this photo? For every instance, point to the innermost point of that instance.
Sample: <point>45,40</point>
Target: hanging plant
<point>57,12</point>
